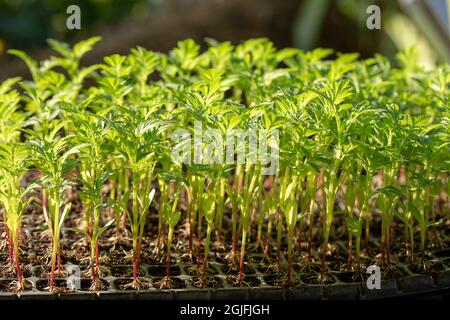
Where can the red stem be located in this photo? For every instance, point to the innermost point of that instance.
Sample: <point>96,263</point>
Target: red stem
<point>11,250</point>
<point>234,248</point>
<point>300,240</point>
<point>289,271</point>
<point>350,250</point>
<point>96,255</point>
<point>278,253</point>
<point>267,247</point>
<point>191,233</point>
<point>322,268</point>
<point>310,236</point>
<point>241,268</point>
<point>168,269</point>
<point>19,270</point>
<point>135,266</point>
<point>199,240</point>
<point>205,265</point>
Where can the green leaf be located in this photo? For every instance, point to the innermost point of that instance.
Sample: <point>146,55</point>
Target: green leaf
<point>208,207</point>
<point>64,214</point>
<point>104,228</point>
<point>354,226</point>
<point>391,191</point>
<point>82,47</point>
<point>31,64</point>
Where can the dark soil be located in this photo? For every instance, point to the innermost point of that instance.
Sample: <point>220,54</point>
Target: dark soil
<point>59,285</point>
<point>126,271</point>
<point>160,271</point>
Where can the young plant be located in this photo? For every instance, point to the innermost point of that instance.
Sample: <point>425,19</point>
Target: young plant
<point>135,138</point>
<point>13,165</point>
<point>11,122</point>
<point>91,135</point>
<point>209,211</point>
<point>172,217</point>
<point>53,157</point>
<point>249,192</point>
<point>233,193</point>
<point>271,205</point>
<point>289,207</point>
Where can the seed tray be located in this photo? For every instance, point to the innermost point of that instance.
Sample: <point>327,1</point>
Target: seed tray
<point>259,285</point>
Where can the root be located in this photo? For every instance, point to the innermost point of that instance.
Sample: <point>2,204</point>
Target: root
<point>97,285</point>
<point>306,267</point>
<point>47,256</point>
<point>19,285</point>
<point>8,267</point>
<point>128,257</point>
<point>164,283</point>
<point>81,243</point>
<point>194,269</point>
<point>323,278</point>
<point>284,281</point>
<point>359,275</point>
<point>3,244</point>
<point>100,272</point>
<point>135,284</point>
<point>239,282</point>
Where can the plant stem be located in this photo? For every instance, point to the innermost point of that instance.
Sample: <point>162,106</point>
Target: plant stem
<point>220,206</point>
<point>199,235</point>
<point>169,246</point>
<point>11,249</point>
<point>260,217</point>
<point>93,273</point>
<point>279,229</point>
<point>268,232</point>
<point>205,255</point>
<point>135,262</point>
<point>311,222</point>
<point>56,235</point>
<point>331,195</point>
<point>17,258</point>
<point>135,226</point>
<point>290,240</point>
<point>241,263</point>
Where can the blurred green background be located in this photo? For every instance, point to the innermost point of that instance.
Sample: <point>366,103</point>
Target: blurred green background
<point>159,24</point>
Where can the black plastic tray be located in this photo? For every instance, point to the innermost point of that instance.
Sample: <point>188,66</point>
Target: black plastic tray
<point>411,285</point>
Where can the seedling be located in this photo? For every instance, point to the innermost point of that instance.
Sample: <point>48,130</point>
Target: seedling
<point>362,155</point>
<point>52,156</point>
<point>13,165</point>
